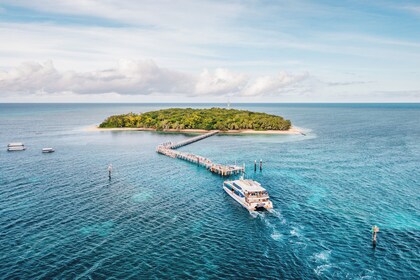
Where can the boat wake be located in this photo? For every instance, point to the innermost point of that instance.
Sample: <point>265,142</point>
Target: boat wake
<point>319,270</point>
<point>322,259</point>
<point>322,256</point>
<point>276,235</point>
<point>280,230</point>
<point>265,217</point>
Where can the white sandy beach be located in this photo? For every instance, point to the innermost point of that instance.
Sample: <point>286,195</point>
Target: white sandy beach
<point>292,130</point>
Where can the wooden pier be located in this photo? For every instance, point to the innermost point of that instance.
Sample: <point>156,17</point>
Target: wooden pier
<point>193,139</point>
<point>168,149</point>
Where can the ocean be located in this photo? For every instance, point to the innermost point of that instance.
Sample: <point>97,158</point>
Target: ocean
<point>163,218</point>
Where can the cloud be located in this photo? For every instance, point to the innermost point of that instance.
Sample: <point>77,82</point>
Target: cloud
<point>397,94</point>
<point>415,9</point>
<point>149,14</point>
<point>128,77</point>
<point>143,77</point>
<point>269,84</point>
<point>349,83</point>
<point>221,82</point>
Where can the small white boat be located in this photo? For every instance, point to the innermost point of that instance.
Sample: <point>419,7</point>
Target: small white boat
<point>250,194</point>
<point>16,147</point>
<point>48,150</point>
<point>15,144</point>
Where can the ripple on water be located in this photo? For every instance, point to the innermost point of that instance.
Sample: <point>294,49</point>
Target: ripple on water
<point>101,229</point>
<point>295,231</point>
<point>142,196</point>
<point>61,218</point>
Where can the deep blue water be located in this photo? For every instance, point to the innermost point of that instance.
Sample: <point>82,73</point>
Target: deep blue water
<point>162,218</point>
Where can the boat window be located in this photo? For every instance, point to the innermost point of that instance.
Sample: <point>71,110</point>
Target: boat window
<point>236,185</point>
<point>238,193</point>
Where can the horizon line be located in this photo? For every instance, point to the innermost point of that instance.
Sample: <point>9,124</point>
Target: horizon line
<point>210,103</point>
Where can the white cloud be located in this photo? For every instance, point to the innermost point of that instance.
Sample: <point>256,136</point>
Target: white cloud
<point>269,84</point>
<point>145,77</point>
<point>221,82</point>
<point>146,12</point>
<point>128,77</point>
<point>415,9</point>
<point>240,44</point>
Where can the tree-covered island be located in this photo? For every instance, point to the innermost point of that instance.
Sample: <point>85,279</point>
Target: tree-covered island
<point>203,119</point>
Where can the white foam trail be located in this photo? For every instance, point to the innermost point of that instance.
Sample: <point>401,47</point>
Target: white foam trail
<point>323,256</point>
<point>319,270</point>
<point>275,213</point>
<point>254,214</point>
<point>276,235</point>
<point>295,232</point>
<point>267,222</point>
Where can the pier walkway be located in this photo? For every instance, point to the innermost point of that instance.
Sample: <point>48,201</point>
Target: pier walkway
<point>193,139</point>
<point>168,149</point>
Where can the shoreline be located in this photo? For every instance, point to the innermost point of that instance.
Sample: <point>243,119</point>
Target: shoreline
<point>292,131</point>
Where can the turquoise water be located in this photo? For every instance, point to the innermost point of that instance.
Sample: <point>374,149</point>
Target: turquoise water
<point>161,218</point>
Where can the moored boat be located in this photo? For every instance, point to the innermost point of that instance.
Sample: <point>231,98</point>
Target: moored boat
<point>48,150</point>
<point>16,147</point>
<point>250,194</point>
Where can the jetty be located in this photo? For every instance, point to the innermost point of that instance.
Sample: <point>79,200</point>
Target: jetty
<point>169,149</point>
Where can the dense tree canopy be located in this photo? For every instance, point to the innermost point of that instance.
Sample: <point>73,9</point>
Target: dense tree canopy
<point>208,119</point>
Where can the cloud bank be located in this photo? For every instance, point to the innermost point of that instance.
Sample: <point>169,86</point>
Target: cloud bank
<point>143,77</point>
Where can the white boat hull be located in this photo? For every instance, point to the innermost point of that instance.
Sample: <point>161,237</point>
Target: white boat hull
<point>12,149</point>
<point>15,147</point>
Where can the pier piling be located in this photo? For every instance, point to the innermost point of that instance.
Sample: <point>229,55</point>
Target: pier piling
<point>109,171</point>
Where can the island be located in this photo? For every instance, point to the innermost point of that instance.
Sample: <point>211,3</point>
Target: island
<point>200,120</point>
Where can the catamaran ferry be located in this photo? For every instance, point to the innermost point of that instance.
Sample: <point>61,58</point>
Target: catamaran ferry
<point>249,194</point>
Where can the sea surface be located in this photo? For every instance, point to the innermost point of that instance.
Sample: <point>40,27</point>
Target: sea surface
<point>163,218</point>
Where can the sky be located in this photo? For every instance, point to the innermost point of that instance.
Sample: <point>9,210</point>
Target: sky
<point>209,51</point>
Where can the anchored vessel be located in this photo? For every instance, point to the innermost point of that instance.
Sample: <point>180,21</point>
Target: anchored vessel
<point>16,147</point>
<point>249,194</point>
<point>48,150</point>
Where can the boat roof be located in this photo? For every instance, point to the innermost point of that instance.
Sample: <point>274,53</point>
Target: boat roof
<point>249,185</point>
<point>15,144</point>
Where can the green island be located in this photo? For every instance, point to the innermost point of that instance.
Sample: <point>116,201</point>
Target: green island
<point>202,119</point>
